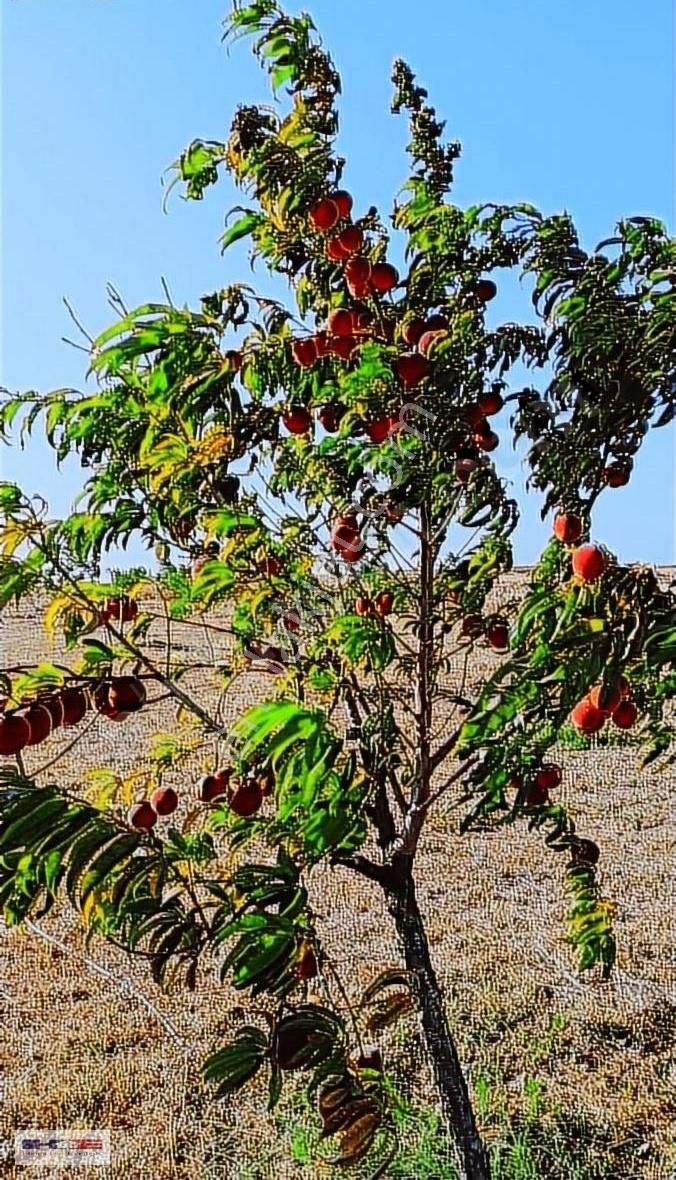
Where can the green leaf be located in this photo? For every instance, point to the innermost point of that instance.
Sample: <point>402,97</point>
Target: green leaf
<point>241,229</point>
<point>114,853</point>
<point>214,580</point>
<point>230,1068</point>
<point>31,822</point>
<point>96,653</point>
<point>222,524</point>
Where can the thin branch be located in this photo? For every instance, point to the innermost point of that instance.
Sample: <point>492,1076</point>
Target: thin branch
<point>124,983</point>
<point>173,688</point>
<point>77,323</point>
<point>65,749</point>
<point>381,874</point>
<point>449,782</point>
<point>445,748</point>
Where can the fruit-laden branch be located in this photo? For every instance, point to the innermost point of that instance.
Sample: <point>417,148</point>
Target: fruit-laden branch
<point>131,647</point>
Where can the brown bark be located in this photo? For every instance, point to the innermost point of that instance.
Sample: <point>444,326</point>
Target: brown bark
<point>443,1055</point>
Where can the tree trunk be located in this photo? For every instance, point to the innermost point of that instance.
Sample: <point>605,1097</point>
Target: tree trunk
<point>455,1099</point>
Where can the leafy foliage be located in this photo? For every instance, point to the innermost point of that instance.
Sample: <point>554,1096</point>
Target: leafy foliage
<point>202,438</point>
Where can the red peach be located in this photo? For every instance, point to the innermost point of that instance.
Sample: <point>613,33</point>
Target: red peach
<point>411,369</point>
<point>567,528</point>
<point>324,214</point>
<point>586,717</point>
<point>428,340</point>
<point>121,608</point>
<point>343,346</point>
<point>485,290</point>
<point>297,420</point>
<point>164,800</point>
<point>347,542</point>
<point>549,776</point>
<point>54,706</point>
<point>358,270</point>
<point>330,416</point>
<point>490,402</point>
<point>384,603</point>
<point>334,250</point>
<point>340,322</point>
<point>304,352</point>
<point>142,816</point>
<point>384,277</point>
<point>380,429</point>
<point>412,331</point>
<point>488,441</point>
<point>14,734</point>
<point>39,721</point>
<point>536,795</point>
<point>616,475</point>
<point>247,799</point>
<point>127,694</point>
<point>613,698</point>
<point>74,703</point>
<point>497,635</point>
<point>212,787</point>
<point>624,716</point>
<point>589,562</point>
<point>351,239</point>
<point>343,202</point>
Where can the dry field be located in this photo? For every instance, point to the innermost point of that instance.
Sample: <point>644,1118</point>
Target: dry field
<point>573,1077</point>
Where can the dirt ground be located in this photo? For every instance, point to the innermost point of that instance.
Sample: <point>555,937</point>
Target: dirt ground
<point>582,1071</point>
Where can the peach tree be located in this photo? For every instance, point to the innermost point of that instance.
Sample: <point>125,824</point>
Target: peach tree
<point>304,474</point>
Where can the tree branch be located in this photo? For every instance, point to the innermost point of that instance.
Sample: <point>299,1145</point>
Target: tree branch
<point>381,874</point>
<point>138,654</point>
<point>421,788</point>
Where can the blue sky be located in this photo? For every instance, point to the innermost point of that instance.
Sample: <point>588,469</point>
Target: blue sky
<point>560,103</point>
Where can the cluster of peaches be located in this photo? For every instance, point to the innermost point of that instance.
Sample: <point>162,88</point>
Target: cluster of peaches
<point>346,328</point>
<point>32,723</point>
<point>379,607</point>
<point>346,539</point>
<point>244,797</point>
<point>589,716</point>
<point>589,561</point>
<point>496,631</point>
<point>121,609</point>
<point>537,794</point>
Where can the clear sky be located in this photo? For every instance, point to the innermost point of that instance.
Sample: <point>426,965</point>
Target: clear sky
<point>566,104</point>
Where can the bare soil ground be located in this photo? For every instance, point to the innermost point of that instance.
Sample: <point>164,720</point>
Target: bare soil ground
<point>584,1069</point>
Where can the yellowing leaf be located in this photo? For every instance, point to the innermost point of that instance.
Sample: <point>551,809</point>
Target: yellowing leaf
<point>140,781</point>
<point>105,785</point>
<point>12,536</point>
<point>64,607</point>
<point>217,443</point>
<point>93,911</point>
